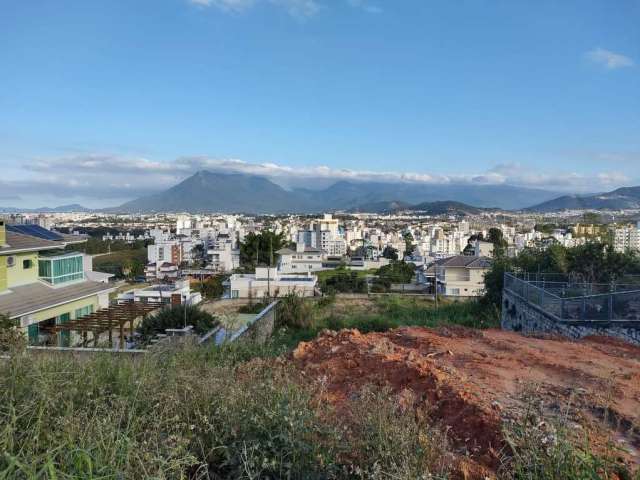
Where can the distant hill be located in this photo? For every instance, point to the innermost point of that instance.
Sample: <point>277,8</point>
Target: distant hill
<point>447,208</point>
<point>239,193</point>
<point>619,199</point>
<point>381,207</point>
<point>61,209</point>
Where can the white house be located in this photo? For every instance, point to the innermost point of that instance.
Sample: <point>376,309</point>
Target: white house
<point>177,293</point>
<point>302,259</point>
<point>269,282</point>
<point>459,276</point>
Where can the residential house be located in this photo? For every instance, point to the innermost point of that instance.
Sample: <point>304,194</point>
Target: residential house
<point>302,259</point>
<point>42,285</point>
<point>270,283</point>
<point>175,294</point>
<point>460,275</point>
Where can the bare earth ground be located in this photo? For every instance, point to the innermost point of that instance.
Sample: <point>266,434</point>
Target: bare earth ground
<point>473,381</point>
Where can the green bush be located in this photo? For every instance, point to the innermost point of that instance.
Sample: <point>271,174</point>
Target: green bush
<point>176,316</point>
<point>342,280</point>
<point>294,311</point>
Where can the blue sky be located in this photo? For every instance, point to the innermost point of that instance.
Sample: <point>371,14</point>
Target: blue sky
<point>103,101</point>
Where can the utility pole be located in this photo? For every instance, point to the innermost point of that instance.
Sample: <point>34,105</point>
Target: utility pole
<point>269,269</point>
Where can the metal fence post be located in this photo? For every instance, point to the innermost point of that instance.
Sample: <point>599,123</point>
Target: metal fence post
<point>611,306</point>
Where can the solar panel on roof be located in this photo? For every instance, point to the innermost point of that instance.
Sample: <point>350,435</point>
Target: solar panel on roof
<point>35,231</point>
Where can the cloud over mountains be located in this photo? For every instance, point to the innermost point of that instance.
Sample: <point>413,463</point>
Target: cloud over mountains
<point>114,177</point>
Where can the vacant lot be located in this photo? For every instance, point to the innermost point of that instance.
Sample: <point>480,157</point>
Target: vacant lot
<point>492,391</point>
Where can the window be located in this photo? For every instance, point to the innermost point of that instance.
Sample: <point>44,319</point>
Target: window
<point>455,291</point>
<point>235,293</point>
<point>61,269</point>
<point>27,264</point>
<point>84,311</point>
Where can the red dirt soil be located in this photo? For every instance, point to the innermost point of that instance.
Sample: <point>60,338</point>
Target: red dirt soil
<point>472,381</point>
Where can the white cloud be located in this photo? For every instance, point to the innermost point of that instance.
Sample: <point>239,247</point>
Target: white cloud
<point>112,179</point>
<point>227,5</point>
<point>295,8</point>
<point>365,5</point>
<point>608,59</point>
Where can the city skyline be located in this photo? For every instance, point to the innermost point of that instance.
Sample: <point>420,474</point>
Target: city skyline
<point>105,103</point>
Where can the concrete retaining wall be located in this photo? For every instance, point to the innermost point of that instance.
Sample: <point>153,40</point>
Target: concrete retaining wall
<point>521,316</point>
<point>261,328</point>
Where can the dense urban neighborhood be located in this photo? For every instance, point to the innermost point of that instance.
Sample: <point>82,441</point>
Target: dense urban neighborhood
<point>320,240</point>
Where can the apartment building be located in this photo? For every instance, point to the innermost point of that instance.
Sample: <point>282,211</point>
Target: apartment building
<point>41,285</point>
<point>626,237</point>
<point>324,234</point>
<point>221,254</point>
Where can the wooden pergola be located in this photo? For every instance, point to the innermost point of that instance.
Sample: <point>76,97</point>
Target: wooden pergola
<point>106,320</point>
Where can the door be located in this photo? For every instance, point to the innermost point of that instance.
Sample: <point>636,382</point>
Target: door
<point>34,333</point>
<point>64,338</point>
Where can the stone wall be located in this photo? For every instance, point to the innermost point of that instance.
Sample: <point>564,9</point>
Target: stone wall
<point>521,316</point>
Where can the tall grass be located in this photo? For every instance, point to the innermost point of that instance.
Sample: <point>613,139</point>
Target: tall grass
<point>193,413</point>
<point>545,447</point>
<point>380,314</point>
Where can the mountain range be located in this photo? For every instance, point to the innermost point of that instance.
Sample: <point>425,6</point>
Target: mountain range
<point>240,193</point>
<point>619,199</point>
<point>61,209</point>
<point>211,192</point>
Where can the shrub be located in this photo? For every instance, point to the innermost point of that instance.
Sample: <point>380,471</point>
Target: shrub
<point>176,316</point>
<point>545,448</point>
<point>11,338</point>
<point>294,311</point>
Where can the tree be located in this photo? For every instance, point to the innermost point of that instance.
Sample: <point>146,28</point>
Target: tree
<point>390,253</point>
<point>342,280</point>
<point>198,255</point>
<point>132,268</point>
<point>496,237</point>
<point>259,249</point>
<point>409,246</point>
<point>212,287</point>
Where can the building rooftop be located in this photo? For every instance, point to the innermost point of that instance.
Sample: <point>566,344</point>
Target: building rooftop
<point>34,297</point>
<point>18,242</point>
<point>466,261</point>
<point>289,251</point>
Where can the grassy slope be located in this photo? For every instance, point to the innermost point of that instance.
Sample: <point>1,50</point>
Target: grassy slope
<point>233,412</point>
<point>113,262</point>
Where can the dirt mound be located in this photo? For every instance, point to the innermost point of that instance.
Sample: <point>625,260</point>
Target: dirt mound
<point>471,382</point>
